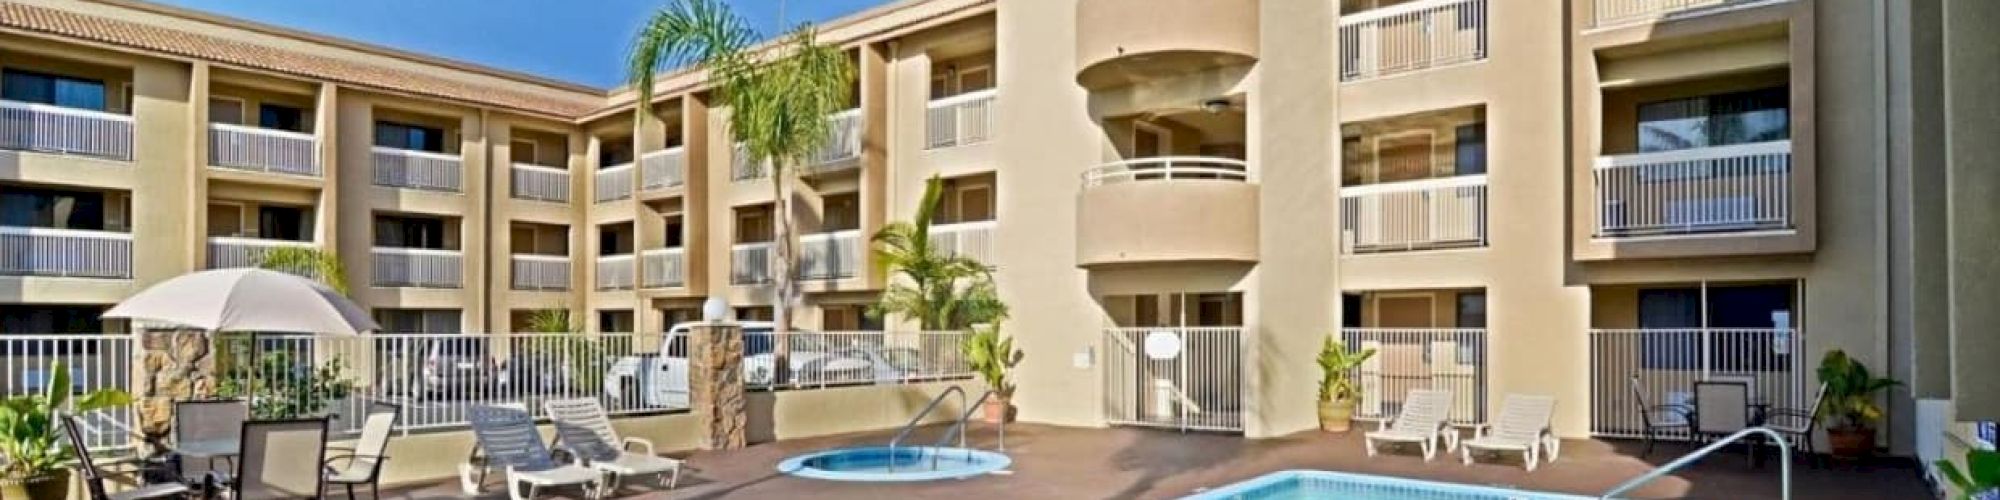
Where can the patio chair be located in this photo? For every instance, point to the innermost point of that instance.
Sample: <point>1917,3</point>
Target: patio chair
<point>361,464</point>
<point>1422,421</point>
<point>280,459</point>
<point>1658,419</point>
<point>93,478</point>
<point>1722,408</point>
<point>1524,426</point>
<point>582,425</point>
<point>1798,424</point>
<point>507,436</point>
<point>207,420</point>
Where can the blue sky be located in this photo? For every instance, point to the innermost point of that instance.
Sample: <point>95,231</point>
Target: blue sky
<point>580,41</point>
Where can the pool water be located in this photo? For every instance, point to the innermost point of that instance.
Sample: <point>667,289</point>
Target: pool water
<point>879,463</point>
<point>1312,485</point>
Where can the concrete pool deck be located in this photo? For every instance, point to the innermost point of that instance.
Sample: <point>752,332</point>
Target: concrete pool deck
<point>1061,463</point>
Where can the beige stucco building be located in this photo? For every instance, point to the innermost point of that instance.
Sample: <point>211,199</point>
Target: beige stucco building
<point>1550,197</point>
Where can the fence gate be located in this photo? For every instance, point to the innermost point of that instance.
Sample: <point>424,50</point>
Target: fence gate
<point>1186,378</point>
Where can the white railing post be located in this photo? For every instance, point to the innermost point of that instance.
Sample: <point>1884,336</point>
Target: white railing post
<point>1421,358</point>
<point>663,267</point>
<point>1168,168</point>
<point>843,142</point>
<point>254,149</point>
<point>417,267</point>
<point>1410,37</point>
<point>960,120</point>
<point>750,263</point>
<point>968,239</point>
<point>56,129</point>
<point>613,183</point>
<point>615,272</point>
<point>227,252</point>
<point>663,169</point>
<point>1615,12</point>
<point>541,272</point>
<point>72,253</point>
<point>540,183</point>
<point>402,168</point>
<point>95,361</point>
<point>1446,212</point>
<point>1667,362</point>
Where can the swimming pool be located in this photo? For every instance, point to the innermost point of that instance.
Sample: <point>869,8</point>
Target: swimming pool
<point>1312,484</point>
<point>880,463</point>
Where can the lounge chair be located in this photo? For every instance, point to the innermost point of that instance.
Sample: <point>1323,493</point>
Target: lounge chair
<point>1422,421</point>
<point>94,478</point>
<point>1656,420</point>
<point>1523,427</point>
<point>362,464</point>
<point>508,437</point>
<point>1798,424</point>
<point>279,459</point>
<point>582,425</point>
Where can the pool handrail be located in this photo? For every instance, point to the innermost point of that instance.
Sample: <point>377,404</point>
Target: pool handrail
<point>912,426</point>
<point>1784,463</point>
<point>960,426</point>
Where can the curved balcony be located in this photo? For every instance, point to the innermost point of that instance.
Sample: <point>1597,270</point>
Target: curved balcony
<point>1170,209</point>
<point>1127,41</point>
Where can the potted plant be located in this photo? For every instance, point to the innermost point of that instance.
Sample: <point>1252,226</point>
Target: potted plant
<point>31,437</point>
<point>991,356</point>
<point>1849,407</point>
<point>1980,476</point>
<point>1337,390</point>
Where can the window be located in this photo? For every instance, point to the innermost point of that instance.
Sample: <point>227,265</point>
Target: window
<point>1403,157</point>
<point>1738,333</point>
<point>1715,120</point>
<point>225,219</point>
<point>614,321</point>
<point>281,223</point>
<point>1470,151</point>
<point>840,212</point>
<point>611,241</point>
<point>614,152</point>
<point>43,319</point>
<point>52,209</point>
<point>521,151</point>
<point>43,88</point>
<point>1472,310</point>
<point>410,137</point>
<point>408,232</point>
<point>753,226</point>
<point>675,232</point>
<point>417,321</point>
<point>281,117</point>
<point>1351,311</point>
<point>225,109</point>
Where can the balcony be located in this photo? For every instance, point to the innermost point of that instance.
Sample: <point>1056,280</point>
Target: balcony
<point>613,183</point>
<point>1720,189</point>
<point>55,129</point>
<point>403,168</point>
<point>1170,209</point>
<point>742,169</point>
<point>615,272</point>
<point>663,169</point>
<point>843,143</point>
<point>252,149</point>
<point>829,256</point>
<point>959,120</point>
<point>1617,12</point>
<point>1441,213</point>
<point>663,267</point>
<point>541,272</point>
<point>227,252</point>
<point>540,183</point>
<point>69,253</point>
<point>417,267</point>
<point>751,263</point>
<point>1410,37</point>
<point>1122,42</point>
<point>973,240</point>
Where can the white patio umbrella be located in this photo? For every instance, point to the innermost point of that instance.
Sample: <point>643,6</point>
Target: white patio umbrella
<point>246,300</point>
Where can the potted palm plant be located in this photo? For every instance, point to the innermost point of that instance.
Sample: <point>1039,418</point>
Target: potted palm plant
<point>1849,404</point>
<point>1337,390</point>
<point>1980,477</point>
<point>32,439</point>
<point>992,356</point>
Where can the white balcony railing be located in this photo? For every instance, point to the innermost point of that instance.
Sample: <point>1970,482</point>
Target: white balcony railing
<point>1167,168</point>
<point>843,142</point>
<point>616,272</point>
<point>663,267</point>
<point>238,147</point>
<point>1744,187</point>
<point>540,183</point>
<point>1420,358</point>
<point>967,239</point>
<point>226,252</point>
<point>1616,12</point>
<point>613,183</point>
<point>417,267</point>
<point>960,120</point>
<point>834,255</point>
<point>663,169</point>
<point>541,272</point>
<point>751,263</point>
<point>56,129</point>
<point>76,253</point>
<point>742,169</point>
<point>1659,366</point>
<point>1447,212</point>
<point>403,168</point>
<point>1410,37</point>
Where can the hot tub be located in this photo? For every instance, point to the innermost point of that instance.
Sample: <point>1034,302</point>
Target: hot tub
<point>908,463</point>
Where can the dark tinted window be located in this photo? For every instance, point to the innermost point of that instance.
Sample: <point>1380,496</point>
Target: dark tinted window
<point>281,117</point>
<point>281,223</point>
<point>42,88</point>
<point>406,136</point>
<point>52,208</point>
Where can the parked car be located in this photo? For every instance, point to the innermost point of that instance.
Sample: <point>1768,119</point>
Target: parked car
<point>869,364</point>
<point>665,379</point>
<point>447,368</point>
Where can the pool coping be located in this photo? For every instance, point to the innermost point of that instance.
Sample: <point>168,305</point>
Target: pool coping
<point>1249,485</point>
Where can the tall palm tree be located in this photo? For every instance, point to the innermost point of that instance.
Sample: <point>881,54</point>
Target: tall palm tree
<point>779,97</point>
<point>940,291</point>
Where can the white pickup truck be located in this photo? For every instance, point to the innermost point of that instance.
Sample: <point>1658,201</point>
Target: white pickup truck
<point>664,382</point>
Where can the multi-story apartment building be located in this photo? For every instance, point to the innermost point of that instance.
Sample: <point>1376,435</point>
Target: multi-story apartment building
<point>1555,197</point>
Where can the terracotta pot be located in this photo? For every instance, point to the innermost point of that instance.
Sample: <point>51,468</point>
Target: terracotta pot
<point>997,410</point>
<point>52,485</point>
<point>1336,415</point>
<point>1850,443</point>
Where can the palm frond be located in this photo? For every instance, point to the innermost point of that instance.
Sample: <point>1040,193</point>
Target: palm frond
<point>308,262</point>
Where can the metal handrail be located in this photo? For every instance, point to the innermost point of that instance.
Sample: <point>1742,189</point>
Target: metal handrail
<point>1784,464</point>
<point>912,426</point>
<point>960,426</point>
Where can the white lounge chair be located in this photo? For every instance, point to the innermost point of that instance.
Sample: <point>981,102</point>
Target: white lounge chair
<point>1422,421</point>
<point>1523,427</point>
<point>508,437</point>
<point>582,425</point>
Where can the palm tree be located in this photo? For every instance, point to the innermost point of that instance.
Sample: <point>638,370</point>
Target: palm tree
<point>778,96</point>
<point>309,262</point>
<point>941,292</point>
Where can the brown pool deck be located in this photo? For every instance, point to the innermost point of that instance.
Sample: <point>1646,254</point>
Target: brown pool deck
<point>1062,463</point>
